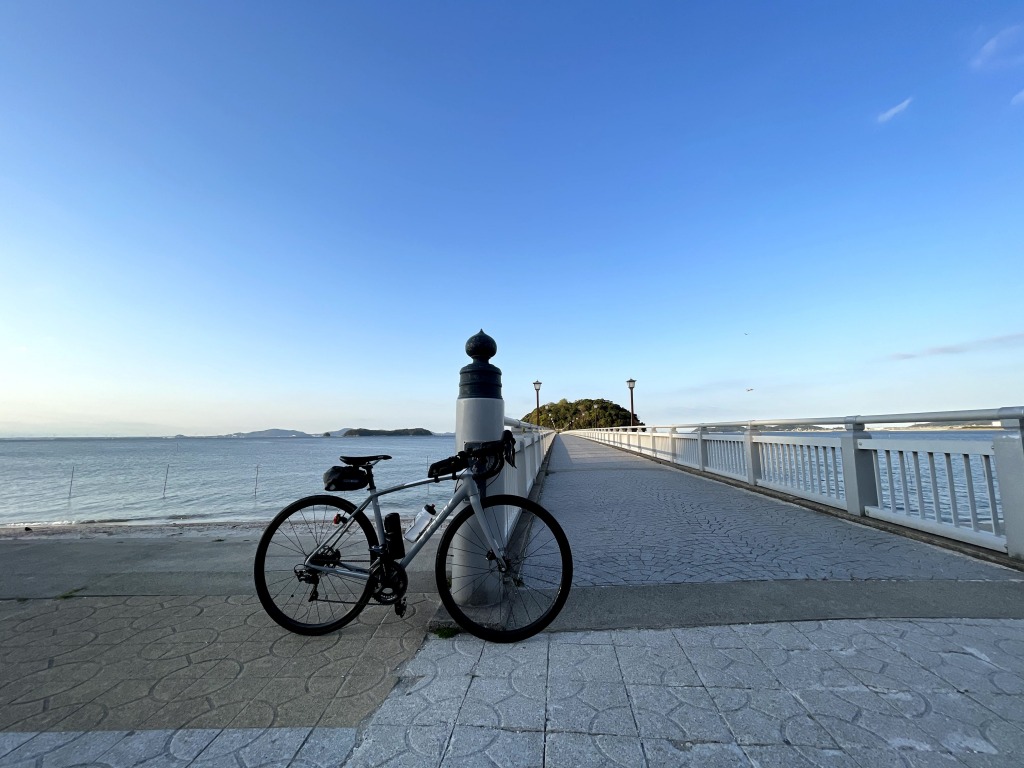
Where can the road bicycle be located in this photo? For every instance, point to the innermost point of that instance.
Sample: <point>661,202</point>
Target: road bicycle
<point>503,566</point>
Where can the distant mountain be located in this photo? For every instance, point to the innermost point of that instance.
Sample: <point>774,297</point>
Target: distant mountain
<point>415,432</point>
<point>940,425</point>
<point>271,433</point>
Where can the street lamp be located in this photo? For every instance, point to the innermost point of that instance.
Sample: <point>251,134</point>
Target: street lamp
<point>536,418</point>
<point>630,383</point>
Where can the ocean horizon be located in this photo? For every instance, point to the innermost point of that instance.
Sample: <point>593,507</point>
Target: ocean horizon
<point>65,481</point>
<point>68,481</point>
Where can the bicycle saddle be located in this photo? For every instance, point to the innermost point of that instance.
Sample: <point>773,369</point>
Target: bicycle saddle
<point>362,461</point>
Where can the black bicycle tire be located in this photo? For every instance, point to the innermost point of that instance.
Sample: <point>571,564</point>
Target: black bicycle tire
<point>259,574</point>
<point>493,634</point>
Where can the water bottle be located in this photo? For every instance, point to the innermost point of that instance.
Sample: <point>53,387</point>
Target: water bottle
<point>423,519</point>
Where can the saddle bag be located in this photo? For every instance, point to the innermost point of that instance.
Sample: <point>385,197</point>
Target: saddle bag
<point>345,479</point>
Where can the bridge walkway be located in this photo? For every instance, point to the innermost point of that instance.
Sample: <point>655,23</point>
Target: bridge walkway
<point>655,546</point>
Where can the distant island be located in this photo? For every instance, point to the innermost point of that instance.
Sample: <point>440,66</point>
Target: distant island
<point>260,433</point>
<point>344,432</point>
<point>415,432</point>
<point>271,433</point>
<point>939,425</point>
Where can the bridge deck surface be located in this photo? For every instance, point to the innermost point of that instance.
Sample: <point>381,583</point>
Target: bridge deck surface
<point>707,626</point>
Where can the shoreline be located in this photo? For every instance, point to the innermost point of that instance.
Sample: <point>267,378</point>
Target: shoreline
<point>130,531</point>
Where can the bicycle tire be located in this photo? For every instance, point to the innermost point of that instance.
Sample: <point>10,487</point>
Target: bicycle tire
<point>504,608</point>
<point>297,531</point>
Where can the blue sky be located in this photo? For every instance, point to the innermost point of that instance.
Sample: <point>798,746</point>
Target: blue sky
<point>232,216</point>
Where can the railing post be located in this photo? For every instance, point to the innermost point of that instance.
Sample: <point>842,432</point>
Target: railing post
<point>753,455</point>
<point>1009,455</point>
<point>532,456</point>
<point>702,450</point>
<point>521,479</point>
<point>672,454</point>
<point>858,470</point>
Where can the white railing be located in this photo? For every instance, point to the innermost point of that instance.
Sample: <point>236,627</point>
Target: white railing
<point>939,487</point>
<point>955,485</point>
<point>532,445</point>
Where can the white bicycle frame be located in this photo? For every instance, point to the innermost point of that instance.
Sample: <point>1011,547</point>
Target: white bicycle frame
<point>467,491</point>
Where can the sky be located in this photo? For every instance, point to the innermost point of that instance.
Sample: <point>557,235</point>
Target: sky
<point>222,217</point>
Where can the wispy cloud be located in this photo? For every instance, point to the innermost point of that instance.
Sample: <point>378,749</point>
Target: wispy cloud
<point>1017,100</point>
<point>1006,49</point>
<point>889,114</point>
<point>1012,340</point>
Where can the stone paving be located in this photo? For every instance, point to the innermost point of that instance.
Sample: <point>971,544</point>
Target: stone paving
<point>112,681</point>
<point>838,693</point>
<point>633,521</point>
<point>114,663</point>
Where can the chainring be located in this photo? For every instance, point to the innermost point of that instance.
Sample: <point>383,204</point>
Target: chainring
<point>389,582</point>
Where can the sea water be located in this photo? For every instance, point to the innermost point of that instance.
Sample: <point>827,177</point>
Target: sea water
<point>155,481</point>
<point>152,481</point>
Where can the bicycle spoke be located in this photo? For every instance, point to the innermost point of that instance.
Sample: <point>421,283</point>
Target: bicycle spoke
<point>530,588</point>
<point>285,584</point>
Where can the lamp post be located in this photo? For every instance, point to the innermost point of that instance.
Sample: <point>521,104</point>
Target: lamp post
<point>536,418</point>
<point>631,383</point>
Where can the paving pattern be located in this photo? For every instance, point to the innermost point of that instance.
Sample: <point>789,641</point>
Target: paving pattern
<point>839,693</point>
<point>185,680</point>
<point>633,521</point>
<point>113,663</point>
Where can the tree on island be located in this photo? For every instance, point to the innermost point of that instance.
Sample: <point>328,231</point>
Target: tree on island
<point>582,414</point>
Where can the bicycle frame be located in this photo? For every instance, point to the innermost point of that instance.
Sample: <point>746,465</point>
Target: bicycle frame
<point>468,491</point>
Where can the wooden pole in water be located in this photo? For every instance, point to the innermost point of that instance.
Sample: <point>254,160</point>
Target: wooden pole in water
<point>166,473</point>
<point>72,485</point>
<point>257,485</point>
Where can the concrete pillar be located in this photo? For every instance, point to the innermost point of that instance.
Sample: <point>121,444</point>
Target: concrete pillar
<point>858,470</point>
<point>1009,450</point>
<point>479,411</point>
<point>479,417</point>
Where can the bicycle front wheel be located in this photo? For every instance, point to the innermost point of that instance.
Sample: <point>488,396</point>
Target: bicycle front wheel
<point>512,602</point>
<point>302,599</point>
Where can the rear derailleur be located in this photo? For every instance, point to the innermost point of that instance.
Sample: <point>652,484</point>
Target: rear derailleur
<point>325,557</point>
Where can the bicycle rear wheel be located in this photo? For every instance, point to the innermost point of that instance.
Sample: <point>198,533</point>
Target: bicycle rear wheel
<point>507,606</point>
<point>298,598</point>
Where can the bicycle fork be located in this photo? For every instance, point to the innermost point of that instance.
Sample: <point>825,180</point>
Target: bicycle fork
<point>493,541</point>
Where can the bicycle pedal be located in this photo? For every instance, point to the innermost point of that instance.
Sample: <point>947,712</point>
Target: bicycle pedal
<point>400,608</point>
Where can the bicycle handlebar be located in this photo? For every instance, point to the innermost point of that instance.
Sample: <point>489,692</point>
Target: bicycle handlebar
<point>488,457</point>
